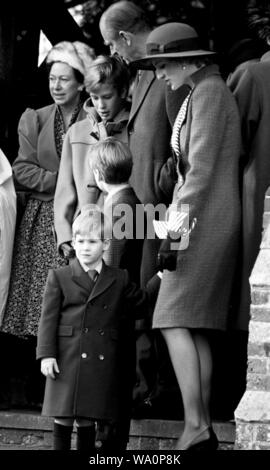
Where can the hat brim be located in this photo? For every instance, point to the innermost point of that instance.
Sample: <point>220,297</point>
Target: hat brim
<point>147,61</point>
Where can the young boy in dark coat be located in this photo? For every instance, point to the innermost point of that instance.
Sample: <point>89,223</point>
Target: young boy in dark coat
<point>86,343</point>
<point>111,163</point>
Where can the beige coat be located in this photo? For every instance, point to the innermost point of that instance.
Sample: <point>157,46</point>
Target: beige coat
<point>76,185</point>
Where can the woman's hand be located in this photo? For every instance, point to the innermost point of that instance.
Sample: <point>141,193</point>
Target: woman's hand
<point>49,367</point>
<point>168,251</point>
<point>167,255</point>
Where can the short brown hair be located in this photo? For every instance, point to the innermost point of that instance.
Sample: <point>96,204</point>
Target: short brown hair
<point>90,219</point>
<point>111,70</point>
<point>113,160</point>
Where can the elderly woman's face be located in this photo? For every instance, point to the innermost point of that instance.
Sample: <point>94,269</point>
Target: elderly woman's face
<point>170,71</point>
<point>64,87</point>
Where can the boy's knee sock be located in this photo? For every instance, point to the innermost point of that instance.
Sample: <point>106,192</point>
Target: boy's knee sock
<point>86,438</point>
<point>62,437</point>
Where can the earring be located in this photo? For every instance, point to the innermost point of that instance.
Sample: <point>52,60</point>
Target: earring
<point>184,67</point>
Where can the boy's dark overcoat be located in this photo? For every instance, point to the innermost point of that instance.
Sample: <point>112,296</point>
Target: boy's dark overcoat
<point>90,333</point>
<point>126,213</point>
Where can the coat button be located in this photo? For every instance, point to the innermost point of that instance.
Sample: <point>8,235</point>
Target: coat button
<point>84,355</point>
<point>101,357</point>
<point>85,330</point>
<point>101,332</point>
<point>105,307</point>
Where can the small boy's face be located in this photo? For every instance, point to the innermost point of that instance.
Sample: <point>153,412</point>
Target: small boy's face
<point>89,249</point>
<point>107,101</point>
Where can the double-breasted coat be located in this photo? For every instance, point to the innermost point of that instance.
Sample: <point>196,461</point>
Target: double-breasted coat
<point>76,184</point>
<point>90,333</point>
<point>197,294</point>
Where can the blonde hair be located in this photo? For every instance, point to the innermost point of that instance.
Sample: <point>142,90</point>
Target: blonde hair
<point>91,219</point>
<point>111,70</point>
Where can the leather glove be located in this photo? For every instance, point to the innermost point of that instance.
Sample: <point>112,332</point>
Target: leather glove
<point>167,254</point>
<point>168,251</point>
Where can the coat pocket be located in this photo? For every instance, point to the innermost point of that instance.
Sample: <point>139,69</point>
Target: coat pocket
<point>65,330</point>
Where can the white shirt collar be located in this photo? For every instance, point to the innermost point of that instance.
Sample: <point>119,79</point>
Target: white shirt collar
<point>114,191</point>
<point>97,268</point>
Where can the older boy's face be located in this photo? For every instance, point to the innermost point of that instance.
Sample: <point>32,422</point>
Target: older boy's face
<point>107,101</point>
<point>89,249</point>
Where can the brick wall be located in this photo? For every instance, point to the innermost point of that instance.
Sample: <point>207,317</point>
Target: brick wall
<point>30,431</point>
<point>253,412</point>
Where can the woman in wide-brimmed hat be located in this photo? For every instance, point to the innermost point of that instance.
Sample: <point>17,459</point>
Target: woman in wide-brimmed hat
<point>194,297</point>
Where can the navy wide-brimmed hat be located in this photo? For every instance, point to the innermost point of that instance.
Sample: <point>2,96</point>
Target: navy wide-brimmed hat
<point>171,40</point>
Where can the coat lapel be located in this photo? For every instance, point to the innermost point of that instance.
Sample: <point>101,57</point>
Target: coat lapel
<point>140,91</point>
<point>105,279</point>
<point>79,276</point>
<point>47,129</point>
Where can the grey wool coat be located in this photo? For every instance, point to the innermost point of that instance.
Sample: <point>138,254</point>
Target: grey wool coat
<point>90,333</point>
<point>197,294</point>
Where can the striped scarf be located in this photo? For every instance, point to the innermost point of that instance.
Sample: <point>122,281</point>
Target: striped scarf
<point>175,139</point>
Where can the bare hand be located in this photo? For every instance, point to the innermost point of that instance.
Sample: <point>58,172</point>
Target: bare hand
<point>49,366</point>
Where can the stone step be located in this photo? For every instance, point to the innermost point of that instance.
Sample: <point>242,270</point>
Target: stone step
<point>28,430</point>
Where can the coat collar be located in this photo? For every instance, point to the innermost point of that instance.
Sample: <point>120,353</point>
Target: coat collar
<point>100,131</point>
<point>265,57</point>
<point>104,281</point>
<point>80,277</point>
<point>47,125</point>
<point>201,74</point>
<point>121,195</point>
<point>147,78</point>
